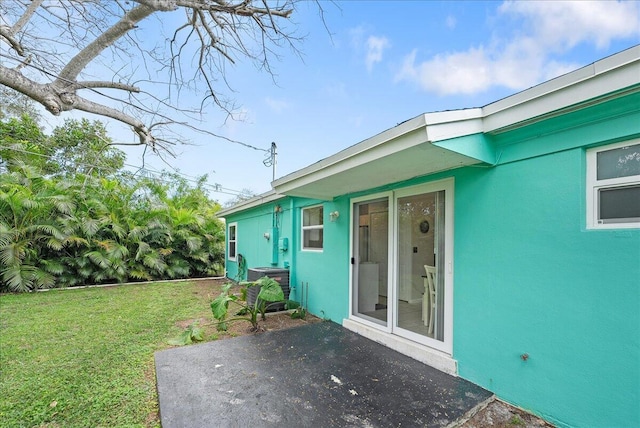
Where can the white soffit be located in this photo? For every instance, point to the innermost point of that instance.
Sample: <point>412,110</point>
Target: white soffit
<point>374,163</point>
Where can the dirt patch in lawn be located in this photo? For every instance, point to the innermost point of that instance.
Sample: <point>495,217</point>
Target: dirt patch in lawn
<point>496,413</point>
<point>210,289</point>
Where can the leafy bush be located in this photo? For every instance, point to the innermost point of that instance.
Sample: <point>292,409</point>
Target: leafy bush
<point>69,229</point>
<point>270,293</point>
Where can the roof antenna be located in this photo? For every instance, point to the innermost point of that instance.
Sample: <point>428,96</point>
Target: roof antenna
<point>271,159</point>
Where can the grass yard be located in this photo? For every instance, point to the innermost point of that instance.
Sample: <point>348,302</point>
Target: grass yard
<point>84,358</point>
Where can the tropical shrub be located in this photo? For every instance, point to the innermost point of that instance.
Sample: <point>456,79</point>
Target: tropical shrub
<point>60,228</point>
<point>269,294</point>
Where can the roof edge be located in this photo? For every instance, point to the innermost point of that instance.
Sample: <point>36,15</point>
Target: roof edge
<point>263,198</point>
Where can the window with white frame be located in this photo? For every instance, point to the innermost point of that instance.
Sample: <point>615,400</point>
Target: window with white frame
<point>613,186</point>
<point>312,228</point>
<point>232,241</point>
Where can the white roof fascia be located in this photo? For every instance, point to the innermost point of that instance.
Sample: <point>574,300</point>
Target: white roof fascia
<point>263,198</point>
<point>336,166</point>
<point>445,125</point>
<point>606,76</point>
<point>355,150</point>
<point>436,126</point>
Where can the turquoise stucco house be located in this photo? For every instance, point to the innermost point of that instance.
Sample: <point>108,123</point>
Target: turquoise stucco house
<point>500,244</point>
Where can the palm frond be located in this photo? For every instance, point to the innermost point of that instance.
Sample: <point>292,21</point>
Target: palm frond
<point>42,279</point>
<point>154,261</point>
<point>13,253</point>
<point>19,277</point>
<point>99,259</point>
<point>54,267</point>
<point>143,248</point>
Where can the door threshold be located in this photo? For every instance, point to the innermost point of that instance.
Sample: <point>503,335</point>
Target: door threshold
<point>429,356</point>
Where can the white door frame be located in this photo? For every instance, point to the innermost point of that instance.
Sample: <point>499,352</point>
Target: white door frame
<point>352,280</point>
<point>448,185</point>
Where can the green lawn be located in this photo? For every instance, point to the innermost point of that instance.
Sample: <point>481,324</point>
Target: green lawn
<point>84,358</point>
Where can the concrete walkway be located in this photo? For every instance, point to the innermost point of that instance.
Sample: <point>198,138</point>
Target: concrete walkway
<point>317,375</point>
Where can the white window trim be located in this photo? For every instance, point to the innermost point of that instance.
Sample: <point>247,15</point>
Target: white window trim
<point>594,185</point>
<point>235,256</point>
<point>303,228</point>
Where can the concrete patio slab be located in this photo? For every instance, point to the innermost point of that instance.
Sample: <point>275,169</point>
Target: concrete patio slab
<point>315,375</point>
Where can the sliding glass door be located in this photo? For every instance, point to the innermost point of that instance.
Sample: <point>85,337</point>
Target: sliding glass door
<point>402,263</point>
<point>420,244</point>
<point>371,259</point>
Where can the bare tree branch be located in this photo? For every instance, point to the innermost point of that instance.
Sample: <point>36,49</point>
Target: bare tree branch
<point>59,46</point>
<point>99,84</point>
<point>80,61</point>
<point>31,9</point>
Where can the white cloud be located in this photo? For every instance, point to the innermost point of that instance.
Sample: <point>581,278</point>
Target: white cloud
<point>375,49</point>
<point>564,24</point>
<point>523,58</point>
<point>277,106</point>
<point>372,46</point>
<point>450,22</point>
<point>468,70</point>
<point>357,36</point>
<point>356,121</point>
<point>334,90</point>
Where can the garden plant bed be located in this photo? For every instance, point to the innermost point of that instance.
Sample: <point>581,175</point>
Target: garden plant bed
<point>274,320</point>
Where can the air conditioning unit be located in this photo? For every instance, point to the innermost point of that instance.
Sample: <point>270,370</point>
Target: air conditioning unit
<point>278,274</point>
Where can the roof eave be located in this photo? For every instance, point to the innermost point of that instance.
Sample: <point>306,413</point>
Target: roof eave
<point>263,198</point>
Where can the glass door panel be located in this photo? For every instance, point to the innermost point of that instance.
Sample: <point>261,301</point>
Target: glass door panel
<point>419,293</point>
<point>371,260</point>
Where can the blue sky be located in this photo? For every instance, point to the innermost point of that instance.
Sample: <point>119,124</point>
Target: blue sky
<point>383,62</point>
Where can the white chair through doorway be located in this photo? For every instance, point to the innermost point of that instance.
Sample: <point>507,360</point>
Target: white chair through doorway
<point>429,298</point>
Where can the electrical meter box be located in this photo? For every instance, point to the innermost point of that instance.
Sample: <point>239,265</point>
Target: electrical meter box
<point>283,244</point>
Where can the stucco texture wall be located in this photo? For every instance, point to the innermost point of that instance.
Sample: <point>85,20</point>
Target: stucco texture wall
<point>326,272</point>
<point>256,250</point>
<point>530,279</point>
<point>323,274</point>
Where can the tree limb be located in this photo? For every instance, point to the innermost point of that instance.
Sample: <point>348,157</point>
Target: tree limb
<point>217,32</point>
<point>56,102</point>
<point>100,84</point>
<point>79,103</point>
<point>39,92</point>
<point>26,16</point>
<point>92,50</point>
<point>7,34</point>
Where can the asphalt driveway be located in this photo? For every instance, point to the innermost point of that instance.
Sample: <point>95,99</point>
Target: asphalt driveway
<point>317,375</point>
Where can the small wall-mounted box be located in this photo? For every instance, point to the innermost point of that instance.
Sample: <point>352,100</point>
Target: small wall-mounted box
<point>283,244</point>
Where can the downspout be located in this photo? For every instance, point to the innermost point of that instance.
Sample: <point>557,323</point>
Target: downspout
<point>292,251</point>
<point>275,236</point>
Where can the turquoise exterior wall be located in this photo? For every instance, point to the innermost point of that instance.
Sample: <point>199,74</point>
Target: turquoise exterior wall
<point>529,278</point>
<point>256,250</point>
<point>324,274</point>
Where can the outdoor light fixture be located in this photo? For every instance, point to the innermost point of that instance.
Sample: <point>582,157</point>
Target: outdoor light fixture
<point>333,215</point>
<point>267,236</point>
